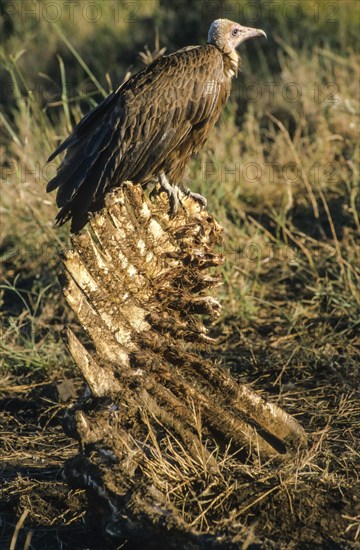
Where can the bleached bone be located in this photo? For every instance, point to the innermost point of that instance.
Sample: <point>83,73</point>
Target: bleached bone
<point>139,284</point>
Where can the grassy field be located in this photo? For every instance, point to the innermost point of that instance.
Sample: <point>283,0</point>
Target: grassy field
<point>281,174</point>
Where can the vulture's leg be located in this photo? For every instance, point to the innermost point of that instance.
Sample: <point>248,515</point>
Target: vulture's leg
<point>196,197</point>
<point>152,184</point>
<point>171,192</point>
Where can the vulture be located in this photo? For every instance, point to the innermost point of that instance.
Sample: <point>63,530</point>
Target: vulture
<point>148,128</point>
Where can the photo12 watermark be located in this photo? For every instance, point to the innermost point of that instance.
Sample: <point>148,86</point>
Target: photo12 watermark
<point>89,11</point>
<point>250,12</point>
<point>270,11</point>
<point>255,172</point>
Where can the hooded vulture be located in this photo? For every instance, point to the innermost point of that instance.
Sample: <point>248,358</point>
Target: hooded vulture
<point>150,126</point>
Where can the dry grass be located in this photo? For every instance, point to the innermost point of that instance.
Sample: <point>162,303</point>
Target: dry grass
<point>286,189</point>
<point>305,499</point>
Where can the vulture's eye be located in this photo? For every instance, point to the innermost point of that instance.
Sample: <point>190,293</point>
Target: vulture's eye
<point>235,32</point>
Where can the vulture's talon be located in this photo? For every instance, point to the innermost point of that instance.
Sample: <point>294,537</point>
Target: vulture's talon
<point>174,203</point>
<point>172,193</point>
<point>154,193</point>
<point>198,198</point>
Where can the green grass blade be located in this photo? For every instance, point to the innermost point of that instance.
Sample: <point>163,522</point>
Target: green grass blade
<point>80,60</point>
<point>64,95</point>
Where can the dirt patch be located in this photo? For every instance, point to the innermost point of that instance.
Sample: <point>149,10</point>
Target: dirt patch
<point>33,450</point>
<point>312,504</point>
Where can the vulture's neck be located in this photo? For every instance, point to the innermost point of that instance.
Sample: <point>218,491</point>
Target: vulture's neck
<point>231,63</point>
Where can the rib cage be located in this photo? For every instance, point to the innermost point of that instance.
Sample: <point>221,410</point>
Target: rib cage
<point>139,284</point>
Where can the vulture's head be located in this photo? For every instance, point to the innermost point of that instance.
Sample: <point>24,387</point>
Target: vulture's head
<point>227,35</point>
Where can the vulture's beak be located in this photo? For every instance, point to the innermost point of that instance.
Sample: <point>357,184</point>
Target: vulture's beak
<point>248,32</point>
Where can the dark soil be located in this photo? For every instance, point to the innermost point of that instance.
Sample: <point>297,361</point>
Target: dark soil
<point>318,510</point>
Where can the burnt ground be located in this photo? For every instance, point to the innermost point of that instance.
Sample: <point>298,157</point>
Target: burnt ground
<point>319,508</point>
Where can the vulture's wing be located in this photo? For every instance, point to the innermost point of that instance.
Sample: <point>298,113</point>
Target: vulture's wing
<point>132,132</point>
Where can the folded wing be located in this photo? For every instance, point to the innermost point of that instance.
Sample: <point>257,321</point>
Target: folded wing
<point>146,126</point>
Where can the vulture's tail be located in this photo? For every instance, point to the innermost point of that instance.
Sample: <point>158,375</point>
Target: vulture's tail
<point>89,164</point>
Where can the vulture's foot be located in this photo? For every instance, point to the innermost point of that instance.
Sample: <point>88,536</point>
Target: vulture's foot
<point>155,191</point>
<point>172,193</point>
<point>197,197</point>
